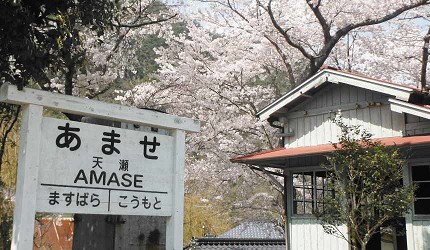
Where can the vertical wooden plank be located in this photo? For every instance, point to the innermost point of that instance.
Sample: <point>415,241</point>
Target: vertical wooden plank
<point>307,134</point>
<point>320,100</point>
<point>292,141</point>
<point>329,97</point>
<point>312,131</point>
<point>336,95</point>
<point>300,131</point>
<point>361,94</point>
<point>412,118</point>
<point>418,234</point>
<point>312,103</point>
<point>369,95</point>
<point>174,230</point>
<point>353,117</point>
<point>347,117</point>
<point>353,94</point>
<point>366,118</point>
<point>398,124</point>
<point>426,234</point>
<point>386,125</point>
<point>375,121</point>
<point>319,136</point>
<point>27,177</point>
<point>315,227</point>
<point>344,96</point>
<point>307,230</point>
<point>320,237</point>
<point>300,234</point>
<point>294,237</point>
<point>327,129</point>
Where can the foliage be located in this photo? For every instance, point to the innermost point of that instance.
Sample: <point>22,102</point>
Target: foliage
<point>69,47</point>
<point>366,177</point>
<point>52,43</point>
<point>203,218</point>
<point>7,177</point>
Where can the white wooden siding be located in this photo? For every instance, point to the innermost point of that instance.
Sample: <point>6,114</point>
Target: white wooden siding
<point>308,234</point>
<point>420,235</point>
<point>310,120</point>
<point>417,125</point>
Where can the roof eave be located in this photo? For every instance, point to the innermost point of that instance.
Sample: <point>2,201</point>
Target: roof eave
<point>328,75</point>
<point>409,108</point>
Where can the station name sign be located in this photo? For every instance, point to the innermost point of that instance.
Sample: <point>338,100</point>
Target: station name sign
<point>94,169</point>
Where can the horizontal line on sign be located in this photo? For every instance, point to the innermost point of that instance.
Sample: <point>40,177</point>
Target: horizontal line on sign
<point>102,188</point>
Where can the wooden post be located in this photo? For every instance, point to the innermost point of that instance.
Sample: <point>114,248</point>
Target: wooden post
<point>174,230</point>
<point>26,183</point>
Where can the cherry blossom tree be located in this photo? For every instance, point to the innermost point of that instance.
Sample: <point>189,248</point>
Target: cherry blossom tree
<point>309,34</point>
<point>218,80</point>
<point>238,55</point>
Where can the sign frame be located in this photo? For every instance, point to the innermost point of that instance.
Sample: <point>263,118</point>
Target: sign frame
<point>34,101</point>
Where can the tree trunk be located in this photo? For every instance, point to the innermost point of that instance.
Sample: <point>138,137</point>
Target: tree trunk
<point>425,60</point>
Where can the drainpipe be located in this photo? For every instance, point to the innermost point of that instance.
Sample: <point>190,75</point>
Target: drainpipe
<point>276,123</point>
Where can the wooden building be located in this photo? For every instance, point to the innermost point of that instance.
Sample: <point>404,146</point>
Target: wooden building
<point>395,114</point>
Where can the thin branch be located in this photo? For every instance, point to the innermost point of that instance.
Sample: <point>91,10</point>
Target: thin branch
<point>284,33</point>
<point>236,11</point>
<point>284,60</point>
<point>122,25</point>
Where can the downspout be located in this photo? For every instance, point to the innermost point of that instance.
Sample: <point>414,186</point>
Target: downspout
<point>272,122</point>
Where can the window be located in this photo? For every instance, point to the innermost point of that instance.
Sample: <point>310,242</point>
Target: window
<point>421,178</point>
<point>309,190</point>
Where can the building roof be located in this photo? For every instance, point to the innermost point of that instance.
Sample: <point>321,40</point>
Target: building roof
<point>276,157</point>
<point>246,236</point>
<point>330,75</point>
<point>254,230</point>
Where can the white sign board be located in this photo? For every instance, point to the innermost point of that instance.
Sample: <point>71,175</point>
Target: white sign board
<point>93,169</point>
<point>74,167</point>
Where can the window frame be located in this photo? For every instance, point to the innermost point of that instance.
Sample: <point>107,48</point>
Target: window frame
<point>411,165</point>
<point>315,187</point>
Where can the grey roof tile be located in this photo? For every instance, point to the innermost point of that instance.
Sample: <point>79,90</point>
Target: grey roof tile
<point>254,230</point>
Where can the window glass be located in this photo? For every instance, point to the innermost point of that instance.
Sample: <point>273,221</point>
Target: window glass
<point>422,206</point>
<point>421,173</point>
<point>309,189</point>
<point>421,179</point>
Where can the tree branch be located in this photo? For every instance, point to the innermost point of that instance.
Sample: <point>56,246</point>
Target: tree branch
<point>328,46</point>
<point>425,60</point>
<point>122,25</point>
<point>322,21</point>
<point>284,33</point>
<point>284,60</point>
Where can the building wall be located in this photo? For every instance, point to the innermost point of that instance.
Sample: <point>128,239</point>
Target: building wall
<point>310,122</point>
<point>415,125</point>
<point>308,234</point>
<point>417,228</point>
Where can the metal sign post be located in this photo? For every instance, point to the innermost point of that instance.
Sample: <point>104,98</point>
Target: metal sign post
<point>74,167</point>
